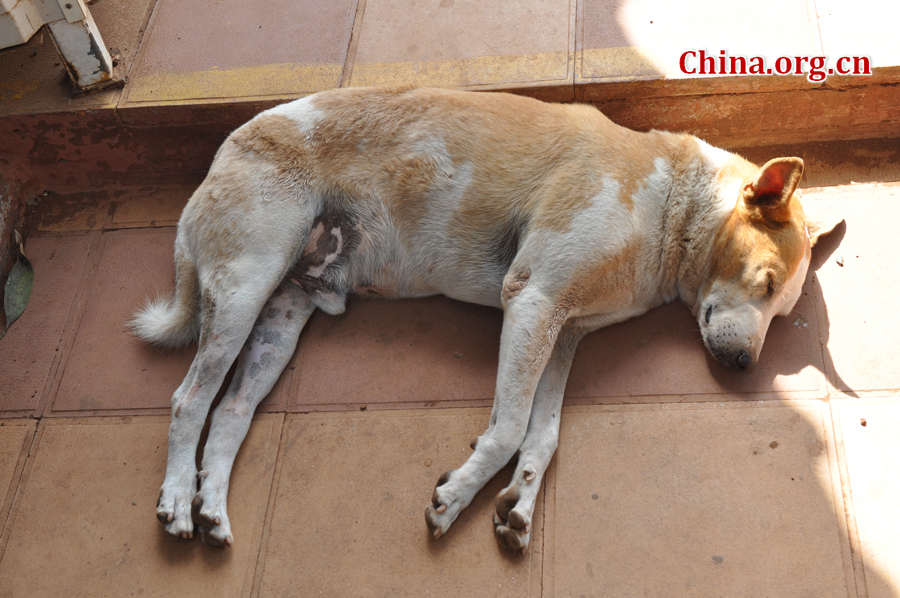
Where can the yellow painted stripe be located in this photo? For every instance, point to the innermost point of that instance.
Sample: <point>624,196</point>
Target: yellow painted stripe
<point>486,70</point>
<point>251,81</point>
<point>16,90</point>
<point>627,62</point>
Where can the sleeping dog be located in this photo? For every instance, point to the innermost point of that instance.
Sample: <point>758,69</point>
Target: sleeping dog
<point>564,220</point>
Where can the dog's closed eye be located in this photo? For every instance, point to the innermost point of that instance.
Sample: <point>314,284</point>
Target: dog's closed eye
<point>708,313</point>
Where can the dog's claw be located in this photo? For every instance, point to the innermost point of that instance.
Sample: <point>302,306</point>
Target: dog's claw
<point>441,509</point>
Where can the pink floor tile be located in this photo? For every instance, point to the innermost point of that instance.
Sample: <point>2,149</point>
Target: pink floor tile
<point>387,352</point>
<point>286,48</point>
<point>527,44</point>
<point>108,369</point>
<point>84,522</point>
<point>31,347</point>
<point>661,354</point>
<point>346,517</point>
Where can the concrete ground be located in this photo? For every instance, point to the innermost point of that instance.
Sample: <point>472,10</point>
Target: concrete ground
<point>674,476</point>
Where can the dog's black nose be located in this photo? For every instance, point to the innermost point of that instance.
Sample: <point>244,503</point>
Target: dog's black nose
<point>743,361</point>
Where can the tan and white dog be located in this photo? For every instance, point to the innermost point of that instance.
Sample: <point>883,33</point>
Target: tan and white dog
<point>551,212</point>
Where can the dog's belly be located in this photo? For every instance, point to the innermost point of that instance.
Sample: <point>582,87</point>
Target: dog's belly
<point>346,254</point>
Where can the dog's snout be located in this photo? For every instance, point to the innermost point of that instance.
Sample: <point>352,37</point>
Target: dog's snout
<point>743,361</point>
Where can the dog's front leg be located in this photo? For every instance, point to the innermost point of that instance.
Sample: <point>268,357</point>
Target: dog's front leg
<point>515,503</point>
<point>531,324</point>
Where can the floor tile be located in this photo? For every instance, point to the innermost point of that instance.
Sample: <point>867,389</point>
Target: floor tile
<point>348,515</point>
<point>859,287</point>
<point>426,351</point>
<point>438,351</point>
<point>149,206</point>
<point>661,354</point>
<point>724,499</point>
<point>29,351</point>
<point>466,43</point>
<point>870,430</point>
<point>15,440</point>
<point>287,48</point>
<point>99,480</point>
<point>645,39</point>
<point>108,370</point>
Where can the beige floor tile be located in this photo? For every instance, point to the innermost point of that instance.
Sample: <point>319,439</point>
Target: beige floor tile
<point>870,430</point>
<point>348,516</point>
<point>15,438</point>
<point>718,500</point>
<point>642,39</point>
<point>85,518</point>
<point>859,287</point>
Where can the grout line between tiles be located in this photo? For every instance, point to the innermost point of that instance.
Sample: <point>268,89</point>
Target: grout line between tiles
<point>352,44</point>
<point>18,471</point>
<point>828,423</point>
<point>70,327</point>
<point>259,568</point>
<point>271,465</point>
<point>28,464</point>
<point>849,511</point>
<point>548,534</point>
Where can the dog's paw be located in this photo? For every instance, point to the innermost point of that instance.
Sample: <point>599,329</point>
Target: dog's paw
<point>513,534</point>
<point>215,528</point>
<point>173,509</point>
<point>512,525</point>
<point>218,536</point>
<point>443,510</point>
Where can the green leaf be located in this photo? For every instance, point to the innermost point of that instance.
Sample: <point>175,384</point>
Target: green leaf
<point>17,291</point>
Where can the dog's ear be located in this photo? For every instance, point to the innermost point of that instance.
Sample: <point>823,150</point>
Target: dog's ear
<point>820,218</point>
<point>771,192</point>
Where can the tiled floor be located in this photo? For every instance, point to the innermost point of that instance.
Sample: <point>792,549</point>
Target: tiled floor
<point>674,476</point>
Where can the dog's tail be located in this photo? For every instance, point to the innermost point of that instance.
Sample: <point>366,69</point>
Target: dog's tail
<point>172,322</point>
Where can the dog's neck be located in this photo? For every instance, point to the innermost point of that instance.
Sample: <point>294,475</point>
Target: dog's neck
<point>695,211</point>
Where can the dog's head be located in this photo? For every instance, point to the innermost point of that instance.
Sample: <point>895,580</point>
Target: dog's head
<point>760,259</point>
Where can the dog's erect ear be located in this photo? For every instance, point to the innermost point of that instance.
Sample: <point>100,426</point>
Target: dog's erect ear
<point>771,192</point>
<point>820,218</point>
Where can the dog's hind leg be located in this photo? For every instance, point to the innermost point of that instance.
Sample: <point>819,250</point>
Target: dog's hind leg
<point>515,504</point>
<point>265,354</point>
<point>530,327</point>
<point>226,320</point>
